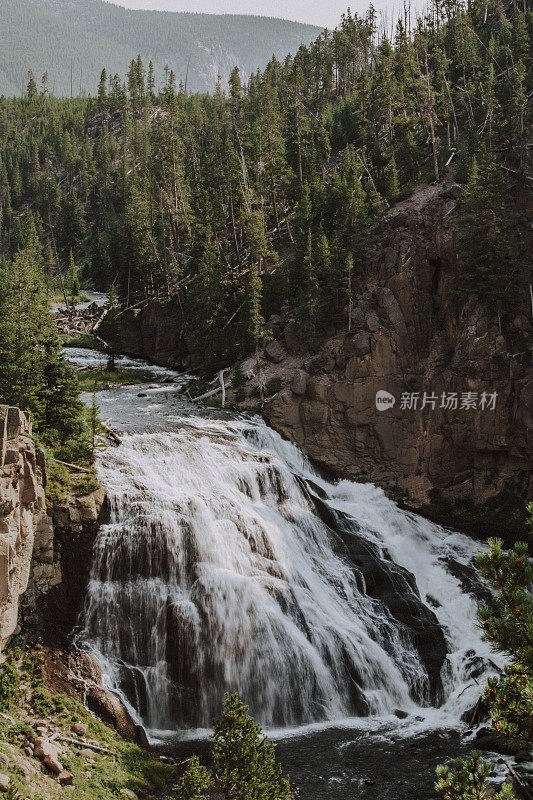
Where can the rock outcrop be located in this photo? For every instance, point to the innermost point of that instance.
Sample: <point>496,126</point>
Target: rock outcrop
<point>156,332</point>
<point>76,522</point>
<point>459,425</point>
<point>454,429</point>
<point>25,526</point>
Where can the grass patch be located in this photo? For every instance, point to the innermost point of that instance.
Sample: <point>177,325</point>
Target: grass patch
<point>57,296</point>
<point>59,480</point>
<point>85,340</point>
<point>129,768</point>
<point>85,484</point>
<point>96,379</point>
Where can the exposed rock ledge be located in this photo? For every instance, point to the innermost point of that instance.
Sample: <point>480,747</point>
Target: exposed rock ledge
<point>25,526</point>
<point>412,335</point>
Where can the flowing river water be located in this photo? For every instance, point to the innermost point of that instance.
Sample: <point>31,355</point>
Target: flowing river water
<point>230,564</point>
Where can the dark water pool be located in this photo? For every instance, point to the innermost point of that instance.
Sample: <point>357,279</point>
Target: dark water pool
<point>347,764</point>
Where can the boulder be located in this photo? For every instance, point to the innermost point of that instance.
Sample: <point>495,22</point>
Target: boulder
<point>372,322</point>
<point>141,737</point>
<point>275,324</point>
<point>486,739</point>
<point>48,753</point>
<point>398,712</point>
<point>26,767</point>
<point>79,728</point>
<point>477,714</point>
<point>4,782</point>
<point>299,382</point>
<point>274,352</point>
<point>292,339</point>
<point>453,192</point>
<point>356,344</point>
<point>66,778</point>
<point>110,709</point>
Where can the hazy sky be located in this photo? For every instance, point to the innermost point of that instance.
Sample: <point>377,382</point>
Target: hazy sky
<point>325,13</point>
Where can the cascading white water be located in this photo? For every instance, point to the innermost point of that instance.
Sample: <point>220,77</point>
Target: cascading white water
<point>216,573</point>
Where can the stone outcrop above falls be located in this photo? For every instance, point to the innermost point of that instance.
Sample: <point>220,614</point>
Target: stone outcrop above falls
<point>25,527</point>
<point>76,522</point>
<point>415,340</point>
<point>156,332</point>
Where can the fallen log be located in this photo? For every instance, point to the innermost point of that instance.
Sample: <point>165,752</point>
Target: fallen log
<point>113,436</point>
<point>212,393</point>
<point>81,743</point>
<point>521,783</point>
<point>72,466</point>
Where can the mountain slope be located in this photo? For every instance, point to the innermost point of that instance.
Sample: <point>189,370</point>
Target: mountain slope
<point>47,35</point>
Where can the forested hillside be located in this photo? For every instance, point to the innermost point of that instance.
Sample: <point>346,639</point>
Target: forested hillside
<point>263,196</point>
<point>54,35</point>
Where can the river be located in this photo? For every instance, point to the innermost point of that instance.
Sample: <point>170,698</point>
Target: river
<point>230,564</point>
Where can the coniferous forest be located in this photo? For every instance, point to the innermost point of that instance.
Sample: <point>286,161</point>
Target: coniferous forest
<point>264,194</point>
<point>260,195</point>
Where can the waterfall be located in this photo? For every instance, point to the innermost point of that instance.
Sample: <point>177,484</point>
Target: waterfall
<point>228,564</point>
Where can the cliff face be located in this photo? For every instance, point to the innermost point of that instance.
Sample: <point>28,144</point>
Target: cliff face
<point>25,527</point>
<point>156,333</point>
<point>469,442</point>
<point>458,428</point>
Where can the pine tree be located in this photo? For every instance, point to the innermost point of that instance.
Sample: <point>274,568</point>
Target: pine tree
<point>102,90</point>
<point>243,758</point>
<point>485,268</point>
<point>244,762</point>
<point>195,783</point>
<point>111,327</point>
<point>391,188</point>
<point>466,779</point>
<point>31,89</point>
<point>71,279</point>
<point>508,625</point>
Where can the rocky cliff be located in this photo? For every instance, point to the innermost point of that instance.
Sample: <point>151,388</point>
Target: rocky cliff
<point>452,436</point>
<point>26,531</point>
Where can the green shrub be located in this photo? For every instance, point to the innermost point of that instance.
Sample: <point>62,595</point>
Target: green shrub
<point>466,779</point>
<point>273,385</point>
<point>9,684</point>
<point>195,783</point>
<point>238,382</point>
<point>43,703</point>
<point>33,666</point>
<point>85,485</point>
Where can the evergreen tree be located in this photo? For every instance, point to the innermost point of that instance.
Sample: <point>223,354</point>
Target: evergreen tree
<point>244,762</point>
<point>466,779</point>
<point>508,625</point>
<point>392,185</point>
<point>31,89</point>
<point>485,267</point>
<point>110,328</point>
<point>102,90</point>
<point>71,280</point>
